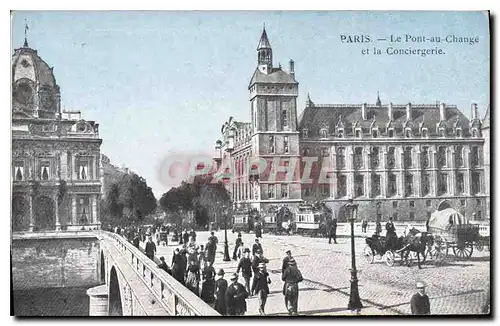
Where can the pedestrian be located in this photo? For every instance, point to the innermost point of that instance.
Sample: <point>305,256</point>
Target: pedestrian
<point>257,259</point>
<point>213,238</point>
<point>220,293</point>
<point>245,265</point>
<point>419,302</point>
<point>163,265</point>
<point>208,285</point>
<point>201,256</point>
<point>364,224</point>
<point>185,237</point>
<point>211,249</point>
<point>136,240</point>
<point>292,277</point>
<point>261,287</point>
<point>150,249</point>
<point>178,266</point>
<point>390,234</point>
<point>256,247</point>
<point>333,231</point>
<point>236,297</point>
<point>192,234</point>
<point>239,242</point>
<point>258,230</point>
<point>286,260</point>
<point>193,277</point>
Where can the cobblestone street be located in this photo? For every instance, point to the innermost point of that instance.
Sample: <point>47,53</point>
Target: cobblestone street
<point>455,287</point>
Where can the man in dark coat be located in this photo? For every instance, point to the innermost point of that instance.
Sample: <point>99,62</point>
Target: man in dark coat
<point>257,259</point>
<point>258,230</point>
<point>333,231</point>
<point>419,302</point>
<point>292,277</point>
<point>185,237</point>
<point>236,297</point>
<point>211,249</point>
<point>286,260</point>
<point>256,247</point>
<point>150,248</point>
<point>192,234</point>
<point>245,265</point>
<point>220,293</point>
<point>261,287</point>
<point>136,240</point>
<point>163,265</point>
<point>390,234</point>
<point>239,242</point>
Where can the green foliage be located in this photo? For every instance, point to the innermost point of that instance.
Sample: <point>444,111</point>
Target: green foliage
<point>127,201</point>
<point>205,198</point>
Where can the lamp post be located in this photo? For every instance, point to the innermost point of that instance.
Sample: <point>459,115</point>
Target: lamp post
<point>226,247</point>
<point>354,300</point>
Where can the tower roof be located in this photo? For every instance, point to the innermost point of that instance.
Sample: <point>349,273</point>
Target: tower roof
<point>264,41</point>
<point>486,120</point>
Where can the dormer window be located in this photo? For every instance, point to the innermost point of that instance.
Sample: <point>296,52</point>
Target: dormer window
<point>475,133</point>
<point>425,133</point>
<point>305,132</point>
<point>442,132</point>
<point>340,133</point>
<point>323,133</point>
<point>357,133</point>
<point>374,133</point>
<point>407,133</point>
<point>458,132</point>
<point>390,133</point>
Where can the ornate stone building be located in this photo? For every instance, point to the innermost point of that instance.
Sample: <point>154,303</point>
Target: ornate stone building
<point>401,161</point>
<point>56,177</point>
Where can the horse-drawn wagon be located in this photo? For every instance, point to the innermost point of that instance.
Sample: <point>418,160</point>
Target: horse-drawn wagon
<point>452,232</point>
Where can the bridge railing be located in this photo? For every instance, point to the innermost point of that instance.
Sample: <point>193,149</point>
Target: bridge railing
<point>176,298</point>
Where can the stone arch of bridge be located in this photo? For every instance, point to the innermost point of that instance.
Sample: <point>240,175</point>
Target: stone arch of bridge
<point>115,307</point>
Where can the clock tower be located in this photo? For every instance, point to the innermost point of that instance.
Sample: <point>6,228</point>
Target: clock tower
<point>273,105</point>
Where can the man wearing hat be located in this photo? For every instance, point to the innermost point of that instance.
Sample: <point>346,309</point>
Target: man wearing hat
<point>220,293</point>
<point>236,297</point>
<point>292,277</point>
<point>245,265</point>
<point>419,302</point>
<point>256,246</point>
<point>257,259</point>
<point>239,242</point>
<point>150,248</point>
<point>163,265</point>
<point>285,261</point>
<point>261,287</point>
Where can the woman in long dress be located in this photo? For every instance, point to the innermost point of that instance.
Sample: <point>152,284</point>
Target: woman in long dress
<point>208,285</point>
<point>193,277</point>
<point>178,266</point>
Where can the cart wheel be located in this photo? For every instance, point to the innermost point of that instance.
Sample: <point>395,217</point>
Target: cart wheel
<point>368,254</point>
<point>440,249</point>
<point>479,245</point>
<point>389,258</point>
<point>463,251</point>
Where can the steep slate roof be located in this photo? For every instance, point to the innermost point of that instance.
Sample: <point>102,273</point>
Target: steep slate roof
<point>316,117</point>
<point>264,41</point>
<point>275,76</point>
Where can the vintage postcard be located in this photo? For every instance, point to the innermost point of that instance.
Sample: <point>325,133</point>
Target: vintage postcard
<point>250,163</point>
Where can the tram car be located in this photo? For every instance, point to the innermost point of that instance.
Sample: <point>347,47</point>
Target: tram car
<point>308,220</point>
<point>271,220</point>
<point>244,220</point>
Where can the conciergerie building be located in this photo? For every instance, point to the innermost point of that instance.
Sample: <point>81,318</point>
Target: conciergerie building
<point>395,160</point>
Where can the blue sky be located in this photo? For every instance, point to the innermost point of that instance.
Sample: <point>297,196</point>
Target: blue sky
<point>164,82</point>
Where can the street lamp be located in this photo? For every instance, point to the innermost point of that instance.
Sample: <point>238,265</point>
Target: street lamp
<point>354,300</point>
<point>226,247</point>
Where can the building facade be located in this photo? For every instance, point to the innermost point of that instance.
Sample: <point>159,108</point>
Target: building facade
<point>401,161</point>
<point>56,170</point>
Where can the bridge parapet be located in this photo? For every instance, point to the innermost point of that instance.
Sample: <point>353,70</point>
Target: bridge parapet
<point>176,299</point>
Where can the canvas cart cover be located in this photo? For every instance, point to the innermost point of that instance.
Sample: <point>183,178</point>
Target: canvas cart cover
<point>445,219</point>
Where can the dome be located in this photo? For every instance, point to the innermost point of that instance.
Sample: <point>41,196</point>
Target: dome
<point>35,93</point>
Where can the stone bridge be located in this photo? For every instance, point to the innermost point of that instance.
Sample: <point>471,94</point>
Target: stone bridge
<point>133,285</point>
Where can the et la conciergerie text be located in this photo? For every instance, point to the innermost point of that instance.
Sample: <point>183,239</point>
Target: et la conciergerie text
<point>406,44</point>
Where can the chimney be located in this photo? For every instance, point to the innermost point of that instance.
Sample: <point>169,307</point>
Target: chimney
<point>408,112</point>
<point>292,68</point>
<point>474,111</point>
<point>363,111</point>
<point>442,112</point>
<point>390,111</point>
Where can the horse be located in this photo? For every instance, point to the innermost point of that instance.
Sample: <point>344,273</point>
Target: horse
<point>418,242</point>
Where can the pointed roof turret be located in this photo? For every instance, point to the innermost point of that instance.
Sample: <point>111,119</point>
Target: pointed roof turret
<point>378,103</point>
<point>264,41</point>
